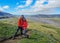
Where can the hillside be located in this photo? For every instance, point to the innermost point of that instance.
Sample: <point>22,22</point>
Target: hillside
<point>40,32</point>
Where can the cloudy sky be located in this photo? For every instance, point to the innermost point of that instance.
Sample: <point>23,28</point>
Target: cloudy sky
<point>30,7</point>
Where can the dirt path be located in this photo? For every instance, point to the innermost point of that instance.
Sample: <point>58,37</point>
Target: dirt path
<point>12,41</point>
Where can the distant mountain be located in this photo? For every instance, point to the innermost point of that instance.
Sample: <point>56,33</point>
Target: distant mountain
<point>5,15</point>
<point>46,16</point>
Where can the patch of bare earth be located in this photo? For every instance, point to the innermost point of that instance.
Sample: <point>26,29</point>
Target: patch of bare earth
<point>13,41</point>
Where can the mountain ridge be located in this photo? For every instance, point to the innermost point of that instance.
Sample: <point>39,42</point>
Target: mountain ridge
<point>46,16</point>
<point>5,15</point>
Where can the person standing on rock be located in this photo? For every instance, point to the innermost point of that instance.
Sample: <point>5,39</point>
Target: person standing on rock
<point>22,26</point>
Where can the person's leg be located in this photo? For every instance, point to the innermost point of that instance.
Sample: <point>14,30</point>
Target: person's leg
<point>21,30</point>
<point>24,33</point>
<point>16,32</point>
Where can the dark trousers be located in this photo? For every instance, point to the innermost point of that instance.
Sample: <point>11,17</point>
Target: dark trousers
<point>22,32</point>
<point>19,29</point>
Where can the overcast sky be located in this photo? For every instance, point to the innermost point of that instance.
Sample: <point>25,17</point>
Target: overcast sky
<point>30,7</point>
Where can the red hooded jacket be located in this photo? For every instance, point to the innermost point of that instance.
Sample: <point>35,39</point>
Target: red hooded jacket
<point>22,23</point>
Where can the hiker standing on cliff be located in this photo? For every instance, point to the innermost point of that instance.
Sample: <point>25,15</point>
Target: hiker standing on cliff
<point>22,26</point>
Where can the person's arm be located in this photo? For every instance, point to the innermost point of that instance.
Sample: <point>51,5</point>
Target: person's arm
<point>19,22</point>
<point>25,24</point>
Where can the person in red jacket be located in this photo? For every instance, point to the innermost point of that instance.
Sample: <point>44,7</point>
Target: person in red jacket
<point>22,26</point>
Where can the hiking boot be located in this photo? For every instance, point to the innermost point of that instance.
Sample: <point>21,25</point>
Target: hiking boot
<point>28,36</point>
<point>13,38</point>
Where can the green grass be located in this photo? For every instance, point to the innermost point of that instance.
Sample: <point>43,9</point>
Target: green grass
<point>6,30</point>
<point>40,33</point>
<point>55,19</point>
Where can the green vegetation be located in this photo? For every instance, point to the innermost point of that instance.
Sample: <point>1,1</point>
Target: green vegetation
<point>40,33</point>
<point>55,19</point>
<point>6,30</point>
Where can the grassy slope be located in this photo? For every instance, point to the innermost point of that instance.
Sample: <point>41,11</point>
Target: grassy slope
<point>55,19</point>
<point>40,33</point>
